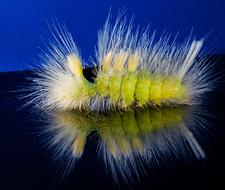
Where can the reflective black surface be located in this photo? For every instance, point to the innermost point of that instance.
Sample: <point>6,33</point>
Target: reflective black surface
<point>26,162</point>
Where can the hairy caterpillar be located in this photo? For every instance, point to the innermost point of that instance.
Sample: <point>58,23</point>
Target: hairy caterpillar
<point>126,139</point>
<point>132,69</point>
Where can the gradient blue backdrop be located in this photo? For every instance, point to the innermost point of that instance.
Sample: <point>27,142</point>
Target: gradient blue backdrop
<point>22,22</point>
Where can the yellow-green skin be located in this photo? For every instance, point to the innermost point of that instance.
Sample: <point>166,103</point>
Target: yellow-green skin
<point>142,88</point>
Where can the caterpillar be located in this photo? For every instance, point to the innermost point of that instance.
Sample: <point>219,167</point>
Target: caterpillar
<point>126,139</point>
<point>130,69</point>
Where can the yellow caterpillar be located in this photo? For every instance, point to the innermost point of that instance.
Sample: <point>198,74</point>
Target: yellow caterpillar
<point>131,69</point>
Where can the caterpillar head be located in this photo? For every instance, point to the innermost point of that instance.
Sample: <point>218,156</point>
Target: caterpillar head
<point>65,86</point>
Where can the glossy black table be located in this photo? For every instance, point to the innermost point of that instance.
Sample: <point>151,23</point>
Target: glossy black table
<point>25,163</point>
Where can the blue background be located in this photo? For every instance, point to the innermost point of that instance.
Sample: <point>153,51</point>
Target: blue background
<point>22,22</point>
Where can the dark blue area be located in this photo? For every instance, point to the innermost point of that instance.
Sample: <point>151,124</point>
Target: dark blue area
<point>22,22</point>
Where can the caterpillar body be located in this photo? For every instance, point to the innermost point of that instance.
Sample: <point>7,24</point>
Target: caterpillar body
<point>131,70</point>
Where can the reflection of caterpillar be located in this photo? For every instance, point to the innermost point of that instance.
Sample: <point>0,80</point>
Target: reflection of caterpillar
<point>126,126</point>
<point>125,138</point>
<point>131,70</point>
